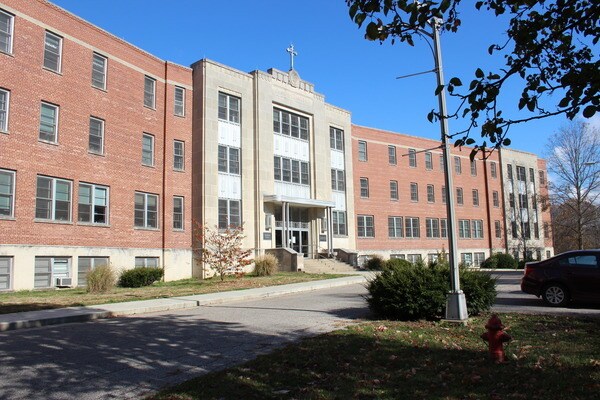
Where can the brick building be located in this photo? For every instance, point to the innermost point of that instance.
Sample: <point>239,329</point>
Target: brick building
<point>108,154</point>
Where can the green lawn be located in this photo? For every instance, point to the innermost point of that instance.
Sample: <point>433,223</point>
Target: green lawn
<point>549,358</point>
<point>29,300</point>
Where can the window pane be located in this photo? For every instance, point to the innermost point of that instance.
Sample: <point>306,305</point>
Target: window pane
<point>149,87</point>
<point>99,71</point>
<point>179,101</point>
<point>3,110</point>
<point>52,50</point>
<point>6,193</point>
<point>48,122</point>
<point>96,135</point>
<point>6,21</point>
<point>148,150</point>
<point>234,161</point>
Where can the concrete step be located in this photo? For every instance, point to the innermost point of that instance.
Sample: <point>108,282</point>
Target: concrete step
<point>327,266</point>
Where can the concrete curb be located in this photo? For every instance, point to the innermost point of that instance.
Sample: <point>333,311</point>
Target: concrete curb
<point>35,319</point>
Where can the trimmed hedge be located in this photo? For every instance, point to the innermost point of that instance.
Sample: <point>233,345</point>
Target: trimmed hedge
<point>500,260</point>
<point>138,277</point>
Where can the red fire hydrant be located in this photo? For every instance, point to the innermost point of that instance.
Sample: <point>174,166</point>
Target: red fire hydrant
<point>495,336</point>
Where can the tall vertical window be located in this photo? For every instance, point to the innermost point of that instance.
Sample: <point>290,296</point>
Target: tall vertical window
<point>497,229</point>
<point>493,169</point>
<point>430,194</point>
<point>531,175</point>
<point>289,124</point>
<point>93,204</point>
<point>99,64</point>
<point>229,213</point>
<point>52,51</point>
<point>7,193</point>
<point>412,158</point>
<point>339,223</point>
<point>6,32</point>
<point>542,177</point>
<point>229,160</point>
<point>149,92</point>
<point>395,227</point>
<point>475,193</point>
<point>414,191</point>
<point>364,187</point>
<point>4,103</point>
<point>443,194</point>
<point>546,228</point>
<point>443,228</point>
<point>178,213</point>
<point>365,226</point>
<point>53,199</point>
<point>337,180</point>
<point>457,165</point>
<point>362,150</point>
<point>464,228</point>
<point>179,101</point>
<point>442,162</point>
<point>495,198</point>
<point>146,210</point>
<point>147,149</point>
<point>509,172</point>
<point>521,174</point>
<point>473,167</point>
<point>477,229</point>
<point>178,155</point>
<point>336,139</point>
<point>394,190</point>
<point>459,196</point>
<point>96,139</point>
<point>5,273</point>
<point>392,155</point>
<point>411,227</point>
<point>428,160</point>
<point>229,108</point>
<point>432,227</point>
<point>49,123</point>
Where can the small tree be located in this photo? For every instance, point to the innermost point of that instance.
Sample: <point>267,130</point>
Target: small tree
<point>221,249</point>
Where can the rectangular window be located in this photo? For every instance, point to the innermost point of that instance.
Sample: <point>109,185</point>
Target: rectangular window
<point>473,167</point>
<point>459,196</point>
<point>398,256</point>
<point>392,155</point>
<point>229,108</point>
<point>6,32</point>
<point>413,258</point>
<point>49,123</point>
<point>497,229</point>
<point>86,264</point>
<point>412,158</point>
<point>395,227</point>
<point>513,226</point>
<point>336,139</point>
<point>536,230</point>
<point>478,259</point>
<point>229,213</point>
<point>477,229</point>
<point>411,227</point>
<point>428,160</point>
<point>430,194</point>
<point>149,92</point>
<point>521,174</point>
<point>366,227</point>
<point>146,210</point>
<point>523,201</point>
<point>178,213</point>
<point>443,228</point>
<point>339,223</point>
<point>53,199</point>
<point>364,187</point>
<point>495,198</point>
<point>5,266</point>
<point>443,194</point>
<point>432,227</point>
<point>147,149</point>
<point>509,172</point>
<point>289,124</point>
<point>4,104</point>
<point>464,228</point>
<point>178,155</point>
<point>414,191</point>
<point>475,194</point>
<point>457,165</point>
<point>179,101</point>
<point>511,200</point>
<point>52,51</point>
<point>99,64</point>
<point>542,178</point>
<point>531,175</point>
<point>442,162</point>
<point>394,190</point>
<point>546,230</point>
<point>93,204</point>
<point>147,262</point>
<point>96,138</point>
<point>493,169</point>
<point>338,181</point>
<point>7,194</point>
<point>287,170</point>
<point>362,151</point>
<point>51,271</point>
<point>466,259</point>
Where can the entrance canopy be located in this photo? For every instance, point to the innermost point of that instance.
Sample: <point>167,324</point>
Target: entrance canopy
<point>298,201</point>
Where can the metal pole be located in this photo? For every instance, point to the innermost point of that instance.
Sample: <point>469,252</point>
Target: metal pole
<point>456,305</point>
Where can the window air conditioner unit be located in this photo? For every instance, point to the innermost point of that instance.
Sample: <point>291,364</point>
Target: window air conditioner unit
<point>64,282</point>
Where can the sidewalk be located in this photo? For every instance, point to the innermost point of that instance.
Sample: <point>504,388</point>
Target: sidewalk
<point>33,319</point>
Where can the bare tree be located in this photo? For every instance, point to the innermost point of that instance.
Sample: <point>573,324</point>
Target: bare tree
<point>574,165</point>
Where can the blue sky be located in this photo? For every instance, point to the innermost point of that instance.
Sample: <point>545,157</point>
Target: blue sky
<point>351,72</point>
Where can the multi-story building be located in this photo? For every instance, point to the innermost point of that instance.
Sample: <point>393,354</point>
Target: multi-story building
<point>109,154</point>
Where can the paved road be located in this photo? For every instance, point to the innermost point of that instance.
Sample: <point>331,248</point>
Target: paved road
<point>127,357</point>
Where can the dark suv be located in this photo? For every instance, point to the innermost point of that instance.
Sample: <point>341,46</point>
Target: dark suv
<point>574,275</point>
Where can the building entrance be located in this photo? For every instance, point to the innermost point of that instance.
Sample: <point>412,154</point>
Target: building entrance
<point>298,231</point>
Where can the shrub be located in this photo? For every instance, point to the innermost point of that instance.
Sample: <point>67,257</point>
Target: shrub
<point>480,290</point>
<point>101,279</point>
<point>266,264</point>
<point>374,263</point>
<point>396,262</point>
<point>490,263</point>
<point>506,260</point>
<point>138,277</point>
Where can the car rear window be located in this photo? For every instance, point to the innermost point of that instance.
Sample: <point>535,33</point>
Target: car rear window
<point>589,261</point>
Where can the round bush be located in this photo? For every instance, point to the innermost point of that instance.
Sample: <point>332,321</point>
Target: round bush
<point>396,262</point>
<point>490,263</point>
<point>138,277</point>
<point>480,290</point>
<point>266,264</point>
<point>374,263</point>
<point>506,261</point>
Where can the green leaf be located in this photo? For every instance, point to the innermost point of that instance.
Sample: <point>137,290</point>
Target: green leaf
<point>491,49</point>
<point>479,73</point>
<point>589,111</point>
<point>360,18</point>
<point>372,31</point>
<point>564,102</point>
<point>470,141</point>
<point>455,81</point>
<point>430,116</point>
<point>506,142</point>
<point>439,89</point>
